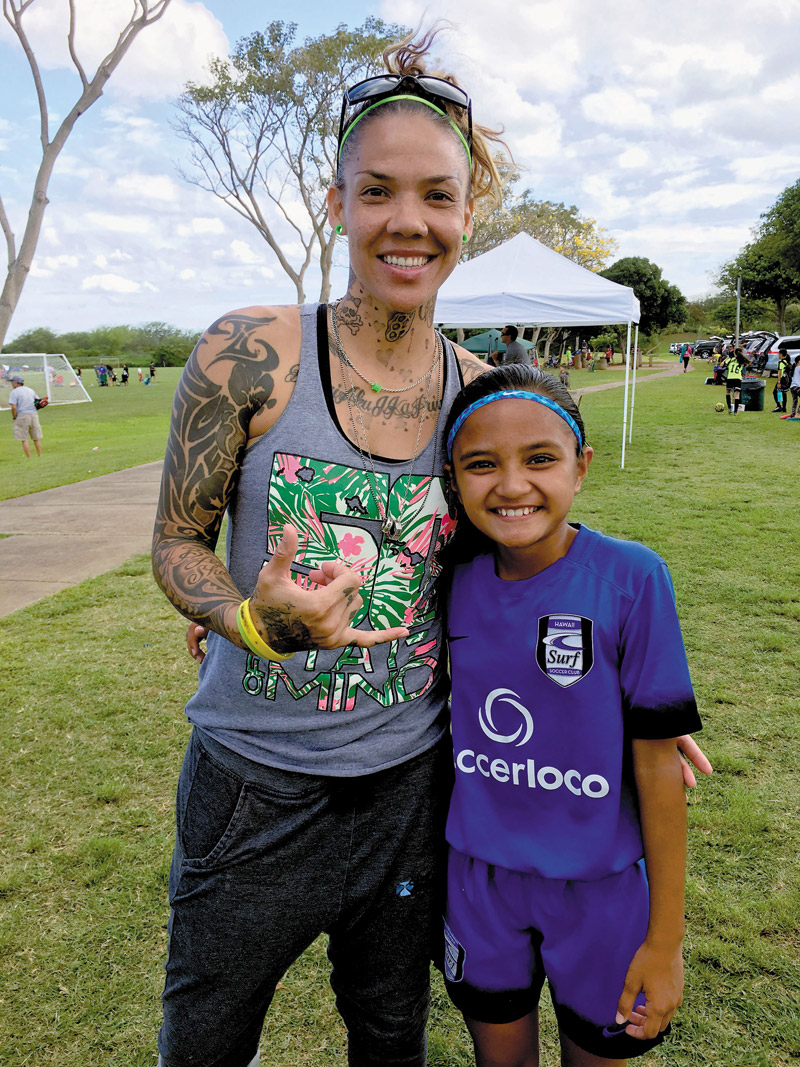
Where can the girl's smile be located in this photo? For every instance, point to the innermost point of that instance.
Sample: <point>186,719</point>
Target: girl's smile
<point>516,473</point>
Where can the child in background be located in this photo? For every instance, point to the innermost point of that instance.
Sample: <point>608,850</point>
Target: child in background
<point>570,683</point>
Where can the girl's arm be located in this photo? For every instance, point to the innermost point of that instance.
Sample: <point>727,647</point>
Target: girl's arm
<point>657,967</point>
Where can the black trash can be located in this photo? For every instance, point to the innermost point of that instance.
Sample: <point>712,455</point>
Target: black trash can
<point>753,394</point>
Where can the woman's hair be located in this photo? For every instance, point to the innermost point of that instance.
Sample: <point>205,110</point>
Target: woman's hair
<point>409,56</point>
<point>468,542</point>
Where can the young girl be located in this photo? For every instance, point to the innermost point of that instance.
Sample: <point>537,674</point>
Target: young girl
<point>569,685</point>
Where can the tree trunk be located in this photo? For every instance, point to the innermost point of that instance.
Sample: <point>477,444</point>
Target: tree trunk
<point>781,304</point>
<point>325,264</point>
<point>19,267</point>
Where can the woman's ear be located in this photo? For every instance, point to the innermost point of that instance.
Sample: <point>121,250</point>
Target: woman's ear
<point>335,207</point>
<point>469,216</point>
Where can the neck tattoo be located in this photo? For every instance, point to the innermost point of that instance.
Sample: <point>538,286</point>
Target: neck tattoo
<point>375,386</point>
<point>390,525</point>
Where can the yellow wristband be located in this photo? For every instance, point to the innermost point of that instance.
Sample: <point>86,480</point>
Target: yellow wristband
<point>253,639</point>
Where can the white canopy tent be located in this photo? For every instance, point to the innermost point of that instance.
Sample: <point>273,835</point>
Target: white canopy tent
<point>526,283</point>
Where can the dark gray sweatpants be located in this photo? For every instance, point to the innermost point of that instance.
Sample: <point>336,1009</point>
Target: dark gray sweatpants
<point>265,860</point>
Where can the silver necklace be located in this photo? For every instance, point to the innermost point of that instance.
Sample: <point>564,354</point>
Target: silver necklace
<point>376,387</point>
<point>391,527</point>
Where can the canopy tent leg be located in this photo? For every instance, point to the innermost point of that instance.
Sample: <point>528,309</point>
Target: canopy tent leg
<point>633,387</point>
<point>625,401</point>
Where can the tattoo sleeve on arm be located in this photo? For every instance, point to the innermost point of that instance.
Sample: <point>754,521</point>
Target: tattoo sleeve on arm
<point>213,405</point>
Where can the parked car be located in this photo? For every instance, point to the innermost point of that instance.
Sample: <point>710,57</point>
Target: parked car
<point>705,349</point>
<point>789,345</point>
<point>756,344</point>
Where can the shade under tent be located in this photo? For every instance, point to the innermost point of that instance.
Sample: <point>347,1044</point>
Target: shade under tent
<point>526,283</point>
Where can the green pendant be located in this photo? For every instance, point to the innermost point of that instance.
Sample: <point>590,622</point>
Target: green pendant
<point>375,387</point>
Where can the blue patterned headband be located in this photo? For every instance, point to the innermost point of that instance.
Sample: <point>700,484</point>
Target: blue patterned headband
<point>513,394</point>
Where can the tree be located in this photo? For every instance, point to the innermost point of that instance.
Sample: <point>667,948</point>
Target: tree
<point>39,339</point>
<point>168,345</point>
<point>145,12</point>
<point>267,125</point>
<point>780,231</point>
<point>765,276</point>
<point>661,304</point>
<point>559,227</point>
<point>769,265</point>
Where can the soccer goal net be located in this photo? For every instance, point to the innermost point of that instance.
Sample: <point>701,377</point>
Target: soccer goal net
<point>47,375</point>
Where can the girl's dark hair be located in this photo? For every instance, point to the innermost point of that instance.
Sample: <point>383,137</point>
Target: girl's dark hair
<point>467,542</point>
<point>411,56</point>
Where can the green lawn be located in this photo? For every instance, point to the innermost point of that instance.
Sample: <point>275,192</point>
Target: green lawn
<point>120,428</point>
<point>126,426</point>
<point>93,732</point>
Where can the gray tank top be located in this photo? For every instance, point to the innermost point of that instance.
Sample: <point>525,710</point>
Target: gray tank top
<point>347,711</point>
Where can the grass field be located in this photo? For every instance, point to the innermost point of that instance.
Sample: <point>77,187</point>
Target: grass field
<point>93,732</point>
<point>120,428</point>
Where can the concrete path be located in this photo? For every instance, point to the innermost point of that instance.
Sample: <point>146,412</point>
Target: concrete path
<point>670,372</point>
<point>61,536</point>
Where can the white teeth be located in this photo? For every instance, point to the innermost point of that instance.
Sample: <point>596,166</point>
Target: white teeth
<point>516,511</point>
<point>405,261</point>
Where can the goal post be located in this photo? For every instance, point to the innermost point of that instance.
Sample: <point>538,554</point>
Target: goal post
<point>48,375</point>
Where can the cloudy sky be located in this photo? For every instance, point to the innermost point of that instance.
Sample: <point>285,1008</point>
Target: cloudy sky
<point>673,124</point>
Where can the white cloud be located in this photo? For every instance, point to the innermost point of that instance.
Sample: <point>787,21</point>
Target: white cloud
<point>160,60</point>
<point>110,283</point>
<point>616,107</point>
<point>147,187</point>
<point>244,253</point>
<point>201,225</point>
<point>118,223</point>
<point>635,158</point>
<point>57,262</point>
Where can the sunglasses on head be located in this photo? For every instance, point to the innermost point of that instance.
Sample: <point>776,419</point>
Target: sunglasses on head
<point>435,91</point>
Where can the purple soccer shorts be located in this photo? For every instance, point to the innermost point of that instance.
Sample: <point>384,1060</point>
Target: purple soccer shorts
<point>506,932</point>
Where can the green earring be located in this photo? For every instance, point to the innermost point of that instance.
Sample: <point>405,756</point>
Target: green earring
<point>339,229</point>
<point>464,238</point>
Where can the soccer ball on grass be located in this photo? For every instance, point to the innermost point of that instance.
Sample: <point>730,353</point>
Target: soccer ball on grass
<point>719,406</point>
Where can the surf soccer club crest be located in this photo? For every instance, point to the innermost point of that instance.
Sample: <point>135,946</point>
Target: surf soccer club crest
<point>564,648</point>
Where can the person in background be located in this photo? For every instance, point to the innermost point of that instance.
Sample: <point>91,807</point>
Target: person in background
<point>795,389</point>
<point>152,375</point>
<point>783,384</point>
<point>738,362</point>
<point>515,352</point>
<point>125,374</point>
<point>22,401</point>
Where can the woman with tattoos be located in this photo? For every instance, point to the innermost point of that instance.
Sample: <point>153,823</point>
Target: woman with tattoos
<point>314,787</point>
<point>313,792</point>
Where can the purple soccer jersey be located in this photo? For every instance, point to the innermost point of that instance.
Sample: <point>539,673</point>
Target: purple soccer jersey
<point>551,679</point>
